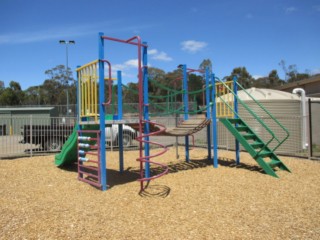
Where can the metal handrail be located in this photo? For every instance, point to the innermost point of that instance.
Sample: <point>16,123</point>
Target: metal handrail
<point>256,116</point>
<point>271,116</point>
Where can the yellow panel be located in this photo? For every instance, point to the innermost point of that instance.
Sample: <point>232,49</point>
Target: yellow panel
<point>221,90</point>
<point>88,76</point>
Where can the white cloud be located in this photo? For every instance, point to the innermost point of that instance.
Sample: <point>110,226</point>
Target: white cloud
<point>193,46</point>
<point>125,67</point>
<point>290,10</point>
<point>152,51</point>
<point>128,69</point>
<point>118,67</point>
<point>161,56</point>
<point>131,63</point>
<point>257,76</point>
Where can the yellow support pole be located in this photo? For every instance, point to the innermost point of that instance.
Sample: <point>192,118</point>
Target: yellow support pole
<point>94,102</point>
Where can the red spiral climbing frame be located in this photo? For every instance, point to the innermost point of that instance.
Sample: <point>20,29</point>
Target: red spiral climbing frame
<point>146,159</point>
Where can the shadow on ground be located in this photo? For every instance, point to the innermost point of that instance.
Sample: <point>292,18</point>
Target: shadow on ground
<point>227,162</point>
<point>115,178</point>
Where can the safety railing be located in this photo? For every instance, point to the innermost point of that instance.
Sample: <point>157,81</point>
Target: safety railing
<point>222,109</point>
<point>254,115</point>
<point>88,78</point>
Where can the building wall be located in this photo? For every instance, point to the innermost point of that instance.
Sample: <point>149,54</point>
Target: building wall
<point>15,118</point>
<point>311,86</point>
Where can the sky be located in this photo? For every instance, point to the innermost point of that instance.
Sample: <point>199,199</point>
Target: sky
<point>256,34</point>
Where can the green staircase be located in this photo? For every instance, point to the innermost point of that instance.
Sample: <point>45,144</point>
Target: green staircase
<point>263,155</point>
<point>260,150</point>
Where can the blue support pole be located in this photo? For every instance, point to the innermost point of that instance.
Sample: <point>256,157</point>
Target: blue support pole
<point>146,107</point>
<point>78,104</point>
<point>120,115</point>
<point>214,122</point>
<point>208,111</point>
<point>186,106</point>
<point>235,90</point>
<point>103,160</point>
<point>78,107</point>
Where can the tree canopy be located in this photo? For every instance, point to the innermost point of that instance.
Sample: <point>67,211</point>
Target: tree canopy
<point>244,78</point>
<point>59,82</point>
<point>12,95</point>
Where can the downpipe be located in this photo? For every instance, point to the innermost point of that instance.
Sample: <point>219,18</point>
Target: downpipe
<point>302,93</point>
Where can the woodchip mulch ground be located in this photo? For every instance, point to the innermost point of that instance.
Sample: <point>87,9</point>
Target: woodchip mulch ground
<point>194,201</point>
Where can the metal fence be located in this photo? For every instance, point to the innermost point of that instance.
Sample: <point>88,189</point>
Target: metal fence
<point>26,136</point>
<point>31,135</point>
<point>314,125</point>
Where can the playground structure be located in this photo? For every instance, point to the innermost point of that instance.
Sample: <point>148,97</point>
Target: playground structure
<point>221,104</point>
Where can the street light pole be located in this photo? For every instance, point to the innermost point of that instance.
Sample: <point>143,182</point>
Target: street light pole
<point>67,67</point>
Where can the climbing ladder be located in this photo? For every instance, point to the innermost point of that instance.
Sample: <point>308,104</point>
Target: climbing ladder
<point>89,170</point>
<point>260,150</point>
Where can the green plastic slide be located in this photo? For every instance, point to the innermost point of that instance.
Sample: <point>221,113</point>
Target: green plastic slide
<point>68,152</point>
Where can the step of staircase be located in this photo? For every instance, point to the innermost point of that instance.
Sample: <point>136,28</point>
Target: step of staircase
<point>236,127</point>
<point>256,145</point>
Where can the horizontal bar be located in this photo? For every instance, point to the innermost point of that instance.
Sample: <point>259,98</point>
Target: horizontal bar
<point>93,168</point>
<point>88,160</point>
<point>92,153</point>
<point>87,65</point>
<point>90,182</point>
<point>88,131</point>
<point>86,141</point>
<point>190,70</point>
<point>89,175</point>
<point>124,41</point>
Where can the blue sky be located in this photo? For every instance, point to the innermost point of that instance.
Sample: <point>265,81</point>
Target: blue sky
<point>256,34</point>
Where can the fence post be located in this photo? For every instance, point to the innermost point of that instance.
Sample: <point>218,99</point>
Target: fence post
<point>31,136</point>
<point>310,129</point>
<point>177,138</point>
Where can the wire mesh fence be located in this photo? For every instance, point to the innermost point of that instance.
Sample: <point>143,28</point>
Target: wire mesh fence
<point>314,123</point>
<point>30,135</point>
